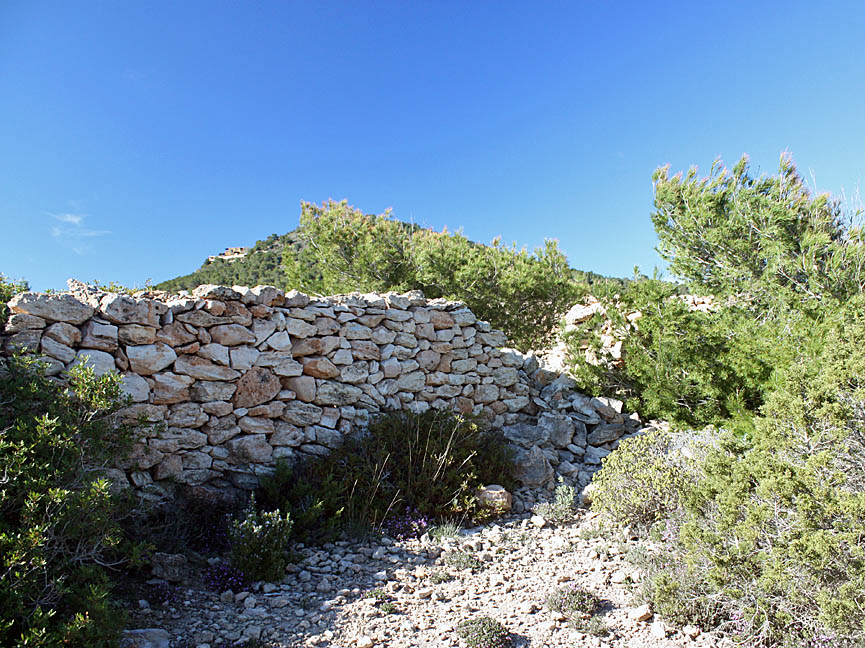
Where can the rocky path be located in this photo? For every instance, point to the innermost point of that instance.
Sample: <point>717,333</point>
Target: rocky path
<point>414,594</point>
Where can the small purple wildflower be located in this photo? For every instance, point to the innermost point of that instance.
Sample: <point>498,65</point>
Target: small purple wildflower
<point>223,577</point>
<point>410,524</point>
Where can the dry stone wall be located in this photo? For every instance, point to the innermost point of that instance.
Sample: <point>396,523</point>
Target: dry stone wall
<point>234,379</point>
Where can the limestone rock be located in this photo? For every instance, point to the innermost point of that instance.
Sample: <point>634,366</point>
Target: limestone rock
<point>135,387</point>
<point>496,497</point>
<point>101,362</point>
<point>147,359</point>
<point>136,334</point>
<point>100,336</point>
<point>54,308</point>
<point>319,367</point>
<point>258,385</point>
<point>64,333</point>
<point>559,428</point>
<point>250,449</point>
<point>56,350</point>
<point>231,334</point>
<point>24,322</point>
<point>338,394</point>
<point>123,309</point>
<point>532,467</point>
<point>203,369</point>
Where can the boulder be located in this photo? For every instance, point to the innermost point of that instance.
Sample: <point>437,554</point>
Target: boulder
<point>559,428</point>
<point>101,362</point>
<point>232,334</point>
<point>123,309</point>
<point>338,394</point>
<point>250,449</point>
<point>532,467</point>
<point>495,497</point>
<point>203,369</point>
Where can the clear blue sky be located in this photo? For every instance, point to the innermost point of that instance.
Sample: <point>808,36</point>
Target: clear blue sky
<point>139,137</point>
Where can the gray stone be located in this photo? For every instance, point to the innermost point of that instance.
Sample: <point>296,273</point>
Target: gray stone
<point>54,308</point>
<point>170,567</point>
<point>101,362</point>
<point>203,369</point>
<point>301,414</point>
<point>532,467</point>
<point>217,353</point>
<point>232,334</point>
<point>250,449</point>
<point>559,428</point>
<point>286,435</point>
<point>605,432</point>
<point>123,309</point>
<point>258,385</point>
<point>136,334</point>
<point>525,434</point>
<point>24,322</point>
<point>244,357</point>
<point>206,390</point>
<point>146,638</point>
<point>505,376</point>
<point>411,382</point>
<point>64,333</point>
<point>256,425</point>
<point>100,336</point>
<point>24,342</point>
<point>135,387</point>
<point>298,328</point>
<point>187,415</point>
<point>147,359</point>
<point>57,350</point>
<point>338,394</point>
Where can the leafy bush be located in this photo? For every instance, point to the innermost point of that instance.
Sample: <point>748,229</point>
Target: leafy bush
<point>8,289</point>
<point>646,479</point>
<point>58,519</point>
<point>676,364</point>
<point>344,250</point>
<point>575,603</point>
<point>463,560</point>
<point>259,544</point>
<point>563,506</point>
<point>484,632</point>
<point>425,465</point>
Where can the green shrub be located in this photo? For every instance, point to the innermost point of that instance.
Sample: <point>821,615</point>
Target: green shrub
<point>562,508</point>
<point>344,250</point>
<point>259,544</point>
<point>484,632</point>
<point>428,463</point>
<point>575,603</point>
<point>646,479</point>
<point>58,519</point>
<point>8,289</point>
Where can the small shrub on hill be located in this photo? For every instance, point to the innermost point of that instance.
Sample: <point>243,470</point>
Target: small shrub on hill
<point>484,632</point>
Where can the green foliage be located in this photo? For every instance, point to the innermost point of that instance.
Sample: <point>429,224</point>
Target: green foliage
<point>563,507</point>
<point>520,293</point>
<point>676,364</point>
<point>463,560</point>
<point>259,544</point>
<point>484,632</point>
<point>575,603</point>
<point>769,237</point>
<point>58,519</point>
<point>8,289</point>
<point>430,463</point>
<point>646,479</point>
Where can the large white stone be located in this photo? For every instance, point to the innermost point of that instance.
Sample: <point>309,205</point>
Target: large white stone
<point>55,308</point>
<point>101,362</point>
<point>135,387</point>
<point>147,359</point>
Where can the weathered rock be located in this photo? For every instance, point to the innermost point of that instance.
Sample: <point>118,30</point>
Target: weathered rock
<point>175,335</point>
<point>24,322</point>
<point>303,386</point>
<point>24,342</point>
<point>203,369</point>
<point>146,638</point>
<point>101,362</point>
<point>123,309</point>
<point>319,367</point>
<point>411,382</point>
<point>64,333</point>
<point>217,353</point>
<point>100,336</point>
<point>147,359</point>
<point>231,334</point>
<point>135,387</point>
<point>187,415</point>
<point>559,428</point>
<point>298,328</point>
<point>136,334</point>
<point>54,308</point>
<point>532,467</point>
<point>207,390</point>
<point>301,414</point>
<point>250,449</point>
<point>338,394</point>
<point>171,388</point>
<point>605,432</point>
<point>525,434</point>
<point>55,349</point>
<point>258,385</point>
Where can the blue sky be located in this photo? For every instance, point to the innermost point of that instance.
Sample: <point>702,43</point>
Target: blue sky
<point>140,137</point>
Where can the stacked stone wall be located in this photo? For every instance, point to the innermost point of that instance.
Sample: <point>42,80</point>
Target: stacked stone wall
<point>234,379</point>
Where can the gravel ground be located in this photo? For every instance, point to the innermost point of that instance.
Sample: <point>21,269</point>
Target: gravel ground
<point>414,593</point>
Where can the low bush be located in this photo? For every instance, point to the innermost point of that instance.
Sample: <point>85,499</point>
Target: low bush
<point>563,507</point>
<point>58,517</point>
<point>484,632</point>
<point>403,472</point>
<point>646,479</point>
<point>579,606</point>
<point>259,544</point>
